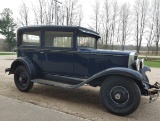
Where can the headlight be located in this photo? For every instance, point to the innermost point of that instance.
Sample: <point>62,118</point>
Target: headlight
<point>141,63</point>
<point>137,64</point>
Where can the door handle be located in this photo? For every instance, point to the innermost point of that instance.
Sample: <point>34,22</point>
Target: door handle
<point>42,52</point>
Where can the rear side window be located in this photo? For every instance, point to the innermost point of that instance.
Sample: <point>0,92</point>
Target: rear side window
<point>58,39</point>
<point>31,38</point>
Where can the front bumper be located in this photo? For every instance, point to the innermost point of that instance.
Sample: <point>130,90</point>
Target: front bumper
<point>154,91</point>
<point>151,90</point>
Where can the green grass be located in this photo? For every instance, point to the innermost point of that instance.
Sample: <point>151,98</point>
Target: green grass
<point>153,63</point>
<point>7,53</point>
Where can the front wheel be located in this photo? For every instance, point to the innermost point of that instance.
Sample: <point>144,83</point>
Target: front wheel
<point>120,95</point>
<point>22,79</point>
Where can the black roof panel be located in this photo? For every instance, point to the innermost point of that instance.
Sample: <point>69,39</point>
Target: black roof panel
<point>46,27</point>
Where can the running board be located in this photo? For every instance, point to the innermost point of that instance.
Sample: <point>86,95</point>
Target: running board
<point>56,84</point>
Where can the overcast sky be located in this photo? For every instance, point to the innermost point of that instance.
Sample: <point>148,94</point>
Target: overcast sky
<point>87,7</point>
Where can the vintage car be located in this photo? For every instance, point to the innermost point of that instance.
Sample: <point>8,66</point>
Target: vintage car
<point>67,57</point>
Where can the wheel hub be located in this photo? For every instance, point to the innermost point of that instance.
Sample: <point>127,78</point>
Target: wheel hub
<point>119,95</point>
<point>20,79</point>
<point>23,78</point>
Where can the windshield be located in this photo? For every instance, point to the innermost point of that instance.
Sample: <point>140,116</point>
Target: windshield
<point>86,41</point>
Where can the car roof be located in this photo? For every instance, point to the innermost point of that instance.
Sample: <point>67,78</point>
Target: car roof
<point>52,27</point>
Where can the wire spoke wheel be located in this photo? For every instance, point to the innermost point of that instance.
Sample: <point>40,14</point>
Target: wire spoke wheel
<point>22,79</point>
<point>120,95</point>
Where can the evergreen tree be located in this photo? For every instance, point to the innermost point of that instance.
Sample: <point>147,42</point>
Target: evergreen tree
<point>7,27</point>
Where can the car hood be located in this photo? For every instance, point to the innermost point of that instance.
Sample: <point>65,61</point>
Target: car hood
<point>110,52</point>
<point>107,52</point>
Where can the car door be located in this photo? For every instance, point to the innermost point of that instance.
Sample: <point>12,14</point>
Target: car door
<point>30,46</point>
<point>81,63</point>
<point>57,53</point>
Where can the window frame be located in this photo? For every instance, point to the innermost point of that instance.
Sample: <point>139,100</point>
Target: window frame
<point>59,48</point>
<point>87,35</point>
<point>21,39</point>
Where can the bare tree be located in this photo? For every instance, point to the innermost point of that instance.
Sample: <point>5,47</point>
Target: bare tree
<point>39,12</point>
<point>110,16</point>
<point>140,9</point>
<point>57,13</point>
<point>157,23</point>
<point>113,22</point>
<point>44,12</point>
<point>49,12</point>
<point>106,22</point>
<point>24,14</point>
<point>36,18</point>
<point>150,26</point>
<point>124,24</point>
<point>62,15</point>
<point>96,14</point>
<point>80,16</point>
<point>71,12</point>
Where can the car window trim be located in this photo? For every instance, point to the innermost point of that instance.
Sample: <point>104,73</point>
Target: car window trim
<point>67,48</point>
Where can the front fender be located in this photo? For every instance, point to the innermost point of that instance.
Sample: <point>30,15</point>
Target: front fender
<point>27,63</point>
<point>119,71</point>
<point>143,72</point>
<point>97,79</point>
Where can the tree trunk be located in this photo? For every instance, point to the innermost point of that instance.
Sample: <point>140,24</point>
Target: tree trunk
<point>156,48</point>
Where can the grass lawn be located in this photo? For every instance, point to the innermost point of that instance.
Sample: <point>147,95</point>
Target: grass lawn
<point>152,63</point>
<point>7,53</point>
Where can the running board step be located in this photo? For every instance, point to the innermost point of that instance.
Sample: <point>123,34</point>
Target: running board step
<point>54,83</point>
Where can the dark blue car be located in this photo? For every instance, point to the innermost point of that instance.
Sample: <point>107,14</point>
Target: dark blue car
<point>68,57</point>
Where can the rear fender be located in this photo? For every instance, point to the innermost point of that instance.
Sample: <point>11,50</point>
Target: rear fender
<point>27,63</point>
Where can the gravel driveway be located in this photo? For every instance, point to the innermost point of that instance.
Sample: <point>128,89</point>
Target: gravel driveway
<point>83,102</point>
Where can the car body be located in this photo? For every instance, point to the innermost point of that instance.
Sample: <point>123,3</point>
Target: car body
<point>67,57</point>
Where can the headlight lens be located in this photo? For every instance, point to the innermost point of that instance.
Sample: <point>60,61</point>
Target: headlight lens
<point>138,64</point>
<point>141,63</point>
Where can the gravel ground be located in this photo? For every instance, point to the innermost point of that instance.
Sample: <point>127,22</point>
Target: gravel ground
<point>83,102</point>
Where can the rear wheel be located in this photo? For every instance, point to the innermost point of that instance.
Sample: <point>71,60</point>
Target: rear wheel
<point>120,95</point>
<point>22,79</point>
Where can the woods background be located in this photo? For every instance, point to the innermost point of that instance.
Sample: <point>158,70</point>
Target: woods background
<point>122,26</point>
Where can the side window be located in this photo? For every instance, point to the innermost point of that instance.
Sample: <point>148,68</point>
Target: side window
<point>31,38</point>
<point>58,39</point>
<point>86,42</point>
